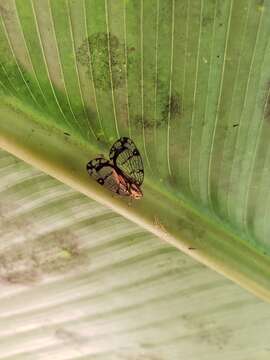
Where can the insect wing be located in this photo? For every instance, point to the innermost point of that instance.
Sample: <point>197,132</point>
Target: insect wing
<point>106,175</point>
<point>127,158</point>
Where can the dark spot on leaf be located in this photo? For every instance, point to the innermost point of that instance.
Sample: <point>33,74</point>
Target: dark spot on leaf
<point>191,248</point>
<point>235,125</point>
<point>66,133</point>
<point>266,102</point>
<point>58,252</point>
<point>172,106</point>
<point>175,106</point>
<point>207,20</point>
<point>144,122</point>
<point>172,180</point>
<point>94,52</point>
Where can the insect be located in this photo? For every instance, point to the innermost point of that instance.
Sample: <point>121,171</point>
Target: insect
<point>123,174</point>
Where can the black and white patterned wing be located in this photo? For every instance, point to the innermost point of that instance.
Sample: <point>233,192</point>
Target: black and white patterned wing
<point>127,158</point>
<point>106,175</point>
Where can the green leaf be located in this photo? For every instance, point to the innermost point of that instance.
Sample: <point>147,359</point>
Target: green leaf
<point>187,81</point>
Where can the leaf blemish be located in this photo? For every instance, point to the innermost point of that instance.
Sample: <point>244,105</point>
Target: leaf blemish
<point>266,102</point>
<point>106,55</point>
<point>58,252</point>
<point>207,20</point>
<point>172,106</point>
<point>144,122</point>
